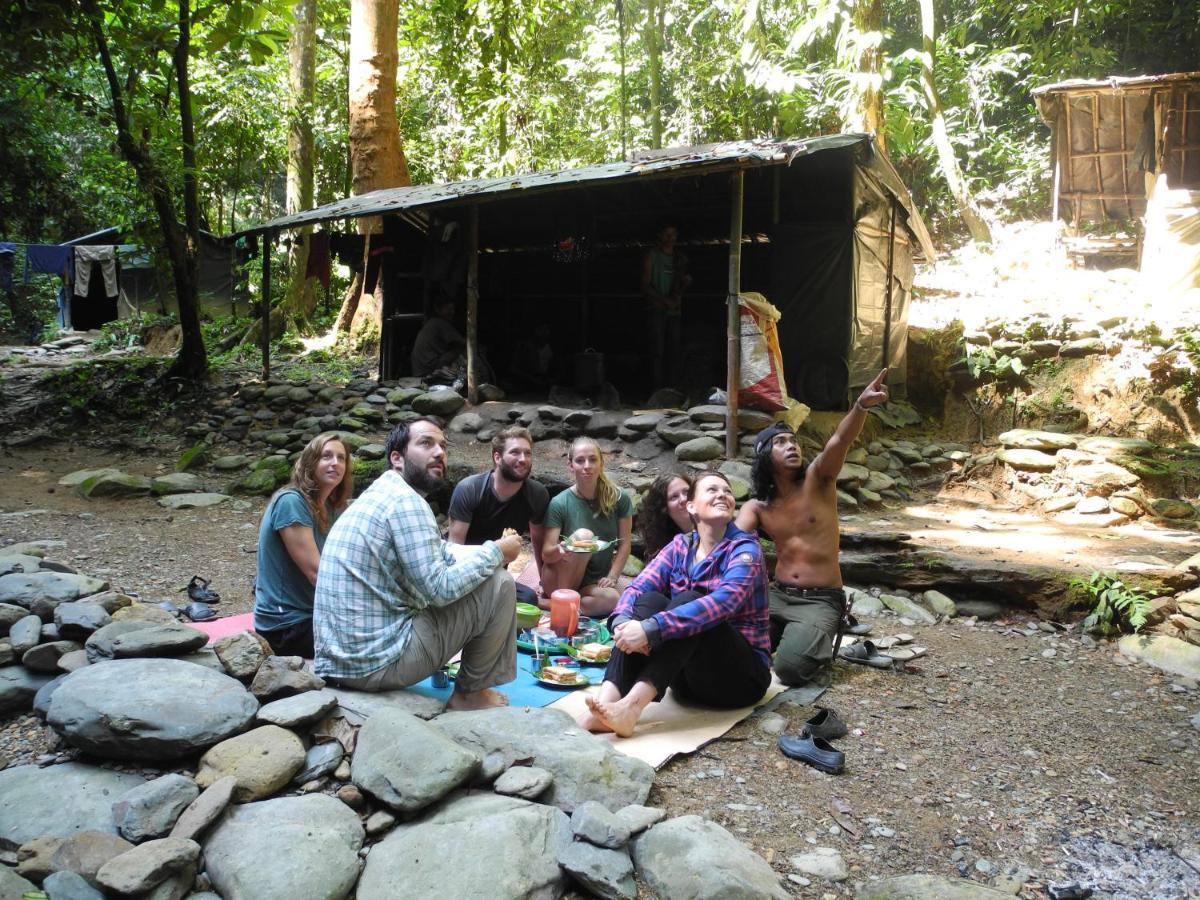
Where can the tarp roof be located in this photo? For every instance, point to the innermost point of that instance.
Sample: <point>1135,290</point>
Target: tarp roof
<point>669,162</point>
<point>1116,82</point>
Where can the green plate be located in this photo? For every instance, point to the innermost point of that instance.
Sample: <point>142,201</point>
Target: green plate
<point>573,652</point>
<point>584,681</point>
<point>525,640</point>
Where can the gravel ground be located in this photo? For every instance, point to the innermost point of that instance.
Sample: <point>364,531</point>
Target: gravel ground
<point>1007,750</point>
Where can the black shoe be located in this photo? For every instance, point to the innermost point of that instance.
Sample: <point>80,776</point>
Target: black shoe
<point>198,589</point>
<point>199,612</point>
<point>825,724</point>
<point>817,752</point>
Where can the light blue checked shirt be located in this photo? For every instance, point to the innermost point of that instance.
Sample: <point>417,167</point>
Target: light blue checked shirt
<point>383,562</point>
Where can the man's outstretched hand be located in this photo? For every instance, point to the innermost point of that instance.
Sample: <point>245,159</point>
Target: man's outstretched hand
<point>874,393</point>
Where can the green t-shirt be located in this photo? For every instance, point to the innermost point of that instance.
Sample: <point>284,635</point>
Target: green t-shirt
<point>569,512</point>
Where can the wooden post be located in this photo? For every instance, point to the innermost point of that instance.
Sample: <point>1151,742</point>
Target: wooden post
<point>733,337</point>
<point>473,305</point>
<point>265,305</point>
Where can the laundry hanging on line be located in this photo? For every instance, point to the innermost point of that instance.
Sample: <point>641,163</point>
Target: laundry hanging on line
<point>46,259</point>
<point>106,256</point>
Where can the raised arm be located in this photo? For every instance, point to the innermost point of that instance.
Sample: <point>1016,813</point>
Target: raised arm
<point>830,460</point>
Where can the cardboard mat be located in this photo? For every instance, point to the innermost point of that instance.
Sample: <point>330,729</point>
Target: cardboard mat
<point>670,728</point>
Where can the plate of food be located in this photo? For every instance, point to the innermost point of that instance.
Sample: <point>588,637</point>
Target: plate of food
<point>593,653</point>
<point>549,642</point>
<point>562,677</point>
<point>583,540</point>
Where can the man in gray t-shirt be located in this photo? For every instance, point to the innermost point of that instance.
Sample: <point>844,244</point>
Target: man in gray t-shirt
<point>484,505</point>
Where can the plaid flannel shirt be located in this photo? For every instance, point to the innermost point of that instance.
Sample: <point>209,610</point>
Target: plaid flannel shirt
<point>383,562</point>
<point>732,579</point>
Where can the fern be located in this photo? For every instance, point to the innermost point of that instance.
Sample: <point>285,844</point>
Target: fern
<point>1116,604</point>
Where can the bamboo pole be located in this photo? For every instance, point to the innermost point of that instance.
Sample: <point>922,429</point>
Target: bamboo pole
<point>473,304</point>
<point>734,320</point>
<point>887,304</point>
<point>265,303</point>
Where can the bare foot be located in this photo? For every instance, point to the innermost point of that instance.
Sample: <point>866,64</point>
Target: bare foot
<point>484,699</point>
<point>619,717</point>
<point>589,721</point>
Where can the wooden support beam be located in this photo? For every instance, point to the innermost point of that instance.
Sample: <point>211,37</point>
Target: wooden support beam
<point>265,305</point>
<point>473,304</point>
<point>887,301</point>
<point>733,368</point>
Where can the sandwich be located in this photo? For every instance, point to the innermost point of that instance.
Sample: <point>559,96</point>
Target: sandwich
<point>560,674</point>
<point>596,653</point>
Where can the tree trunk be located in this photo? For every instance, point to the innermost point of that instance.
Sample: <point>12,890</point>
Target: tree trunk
<point>868,114</point>
<point>376,159</point>
<point>301,298</point>
<point>947,161</point>
<point>655,19</point>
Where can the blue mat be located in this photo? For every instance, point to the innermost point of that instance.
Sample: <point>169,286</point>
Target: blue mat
<point>524,691</point>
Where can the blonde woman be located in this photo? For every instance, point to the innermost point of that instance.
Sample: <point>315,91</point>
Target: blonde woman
<point>290,539</point>
<point>595,506</point>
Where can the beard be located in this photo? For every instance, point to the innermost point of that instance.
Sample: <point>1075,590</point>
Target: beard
<point>508,473</point>
<point>421,480</point>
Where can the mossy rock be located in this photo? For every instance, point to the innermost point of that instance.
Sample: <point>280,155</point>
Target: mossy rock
<point>193,456</point>
<point>114,484</point>
<point>260,481</point>
<point>366,471</point>
<point>404,396</point>
<point>274,463</point>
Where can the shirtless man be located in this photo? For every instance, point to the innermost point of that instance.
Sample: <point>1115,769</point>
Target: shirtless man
<point>795,504</point>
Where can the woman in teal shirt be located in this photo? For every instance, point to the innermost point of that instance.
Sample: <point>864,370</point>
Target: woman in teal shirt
<point>594,503</point>
<point>290,538</point>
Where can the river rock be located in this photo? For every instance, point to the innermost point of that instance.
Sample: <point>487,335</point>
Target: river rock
<point>74,479</point>
<point>584,768</point>
<point>940,604</point>
<point>1126,506</point>
<point>65,886</point>
<point>18,562</point>
<point>602,873</point>
<point>638,818</point>
<point>148,708</point>
<point>823,862</point>
<point>299,710</point>
<point>1091,505</point>
<point>408,764</point>
<point>114,484</point>
<point>747,419</point>
<point>83,853</point>
<point>176,483</point>
<point>1027,439</point>
<point>283,676</point>
<point>645,422</point>
<point>31,801</point>
<point>25,635</point>
<point>241,654</point>
<point>692,857</point>
<point>320,760</point>
<point>23,589</point>
<point>10,615</point>
<point>13,886</point>
<point>291,847</point>
<point>526,782</point>
<point>699,449</point>
<point>144,613</point>
<point>201,500</point>
<point>157,640</point>
<point>907,609</point>
<point>19,687</point>
<point>479,845</point>
<point>99,645</point>
<point>263,761</point>
<point>1101,477</point>
<point>44,657</point>
<point>1169,508</point>
<point>927,887</point>
<point>148,865</point>
<point>1114,447</point>
<point>980,609</point>
<point>853,474</point>
<point>1027,460</point>
<point>678,429</point>
<point>78,619</point>
<point>593,823</point>
<point>205,809</point>
<point>443,403</point>
<point>150,810</point>
<point>1170,654</point>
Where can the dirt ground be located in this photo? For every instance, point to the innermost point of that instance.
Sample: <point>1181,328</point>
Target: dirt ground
<point>998,751</point>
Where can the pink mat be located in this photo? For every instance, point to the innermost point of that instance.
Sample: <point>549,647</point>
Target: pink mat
<point>219,628</point>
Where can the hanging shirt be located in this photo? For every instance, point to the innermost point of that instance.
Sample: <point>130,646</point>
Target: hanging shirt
<point>46,259</point>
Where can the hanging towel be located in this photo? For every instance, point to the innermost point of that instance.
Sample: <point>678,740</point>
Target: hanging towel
<point>318,258</point>
<point>107,258</point>
<point>47,259</point>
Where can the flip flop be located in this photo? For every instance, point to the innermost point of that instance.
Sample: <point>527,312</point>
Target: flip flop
<point>198,589</point>
<point>866,654</point>
<point>171,608</point>
<point>904,654</point>
<point>856,627</point>
<point>198,612</point>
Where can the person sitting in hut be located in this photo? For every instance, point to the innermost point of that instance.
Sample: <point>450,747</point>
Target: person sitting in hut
<point>664,279</point>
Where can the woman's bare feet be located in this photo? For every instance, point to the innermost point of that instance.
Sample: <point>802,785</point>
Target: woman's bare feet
<point>484,699</point>
<point>619,717</point>
<point>588,720</point>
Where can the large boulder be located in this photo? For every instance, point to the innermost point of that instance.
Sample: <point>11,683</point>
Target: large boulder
<point>479,845</point>
<point>1164,652</point>
<point>148,708</point>
<point>1027,439</point>
<point>699,449</point>
<point>58,800</point>
<point>289,847</point>
<point>695,858</point>
<point>176,483</point>
<point>158,640</point>
<point>114,484</point>
<point>263,761</point>
<point>1027,460</point>
<point>1101,477</point>
<point>19,687</point>
<point>443,403</point>
<point>584,767</point>
<point>24,588</point>
<point>408,764</point>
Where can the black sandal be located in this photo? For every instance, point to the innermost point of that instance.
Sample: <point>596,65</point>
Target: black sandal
<point>198,589</point>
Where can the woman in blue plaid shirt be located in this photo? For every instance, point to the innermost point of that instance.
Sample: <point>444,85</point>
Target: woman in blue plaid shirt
<point>695,620</point>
